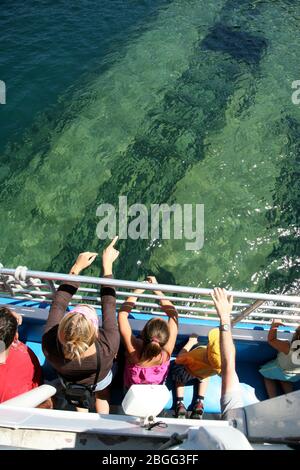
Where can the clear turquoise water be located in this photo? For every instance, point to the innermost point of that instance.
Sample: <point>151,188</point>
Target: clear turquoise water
<point>184,101</point>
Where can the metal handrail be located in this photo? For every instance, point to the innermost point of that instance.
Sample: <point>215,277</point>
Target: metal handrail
<point>197,317</point>
<point>261,305</point>
<point>192,300</point>
<point>17,288</point>
<point>49,276</point>
<point>239,314</point>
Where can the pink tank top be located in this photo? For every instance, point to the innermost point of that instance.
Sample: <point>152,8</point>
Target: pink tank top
<point>153,375</point>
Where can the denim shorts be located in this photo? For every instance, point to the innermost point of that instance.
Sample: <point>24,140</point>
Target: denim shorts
<point>272,370</point>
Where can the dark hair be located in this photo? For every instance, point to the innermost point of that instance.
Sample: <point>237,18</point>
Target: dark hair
<point>8,326</point>
<point>155,335</point>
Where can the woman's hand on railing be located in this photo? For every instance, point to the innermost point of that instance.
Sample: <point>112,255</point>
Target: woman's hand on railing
<point>83,261</point>
<point>109,256</point>
<point>276,322</point>
<point>167,305</point>
<point>138,292</point>
<point>153,280</point>
<point>134,296</point>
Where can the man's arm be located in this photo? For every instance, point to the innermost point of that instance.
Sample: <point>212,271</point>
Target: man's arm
<point>223,305</point>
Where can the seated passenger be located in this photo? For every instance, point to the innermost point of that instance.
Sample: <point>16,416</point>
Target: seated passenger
<point>79,350</point>
<point>284,370</point>
<point>20,370</point>
<point>196,363</point>
<point>148,357</point>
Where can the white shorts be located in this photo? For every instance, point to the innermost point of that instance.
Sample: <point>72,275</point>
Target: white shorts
<point>107,380</point>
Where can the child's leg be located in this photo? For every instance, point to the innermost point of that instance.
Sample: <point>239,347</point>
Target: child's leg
<point>287,387</point>
<point>198,408</point>
<point>202,387</point>
<point>271,387</point>
<point>102,401</point>
<point>179,391</point>
<point>180,410</point>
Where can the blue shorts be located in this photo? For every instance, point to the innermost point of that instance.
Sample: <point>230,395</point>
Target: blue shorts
<point>272,370</point>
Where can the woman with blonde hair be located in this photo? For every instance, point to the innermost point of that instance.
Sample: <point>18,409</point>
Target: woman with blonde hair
<point>76,346</point>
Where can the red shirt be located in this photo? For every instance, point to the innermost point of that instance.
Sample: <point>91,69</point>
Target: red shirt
<point>21,372</point>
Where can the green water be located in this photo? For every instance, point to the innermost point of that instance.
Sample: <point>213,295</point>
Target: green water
<point>194,108</point>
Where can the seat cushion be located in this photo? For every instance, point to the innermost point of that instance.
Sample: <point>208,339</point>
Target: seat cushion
<point>37,349</point>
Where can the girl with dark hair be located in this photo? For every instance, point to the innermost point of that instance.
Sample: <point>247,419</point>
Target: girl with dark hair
<point>148,357</point>
<point>285,369</point>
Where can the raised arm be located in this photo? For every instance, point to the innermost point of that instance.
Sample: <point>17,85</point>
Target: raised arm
<point>223,305</point>
<point>109,331</point>
<point>278,344</point>
<point>171,311</point>
<point>66,291</point>
<point>130,341</point>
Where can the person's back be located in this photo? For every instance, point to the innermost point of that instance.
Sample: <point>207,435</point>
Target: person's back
<point>288,363</point>
<point>140,373</point>
<point>20,370</point>
<point>148,357</point>
<point>81,352</point>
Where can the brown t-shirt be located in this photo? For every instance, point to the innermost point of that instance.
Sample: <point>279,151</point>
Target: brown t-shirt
<point>108,338</point>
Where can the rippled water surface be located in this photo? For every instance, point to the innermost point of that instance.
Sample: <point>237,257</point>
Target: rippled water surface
<point>185,101</point>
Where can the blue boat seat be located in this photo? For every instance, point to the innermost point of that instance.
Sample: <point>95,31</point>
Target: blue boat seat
<point>49,373</point>
<point>37,349</point>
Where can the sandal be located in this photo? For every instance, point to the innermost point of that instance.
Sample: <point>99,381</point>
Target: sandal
<point>198,410</point>
<point>180,411</point>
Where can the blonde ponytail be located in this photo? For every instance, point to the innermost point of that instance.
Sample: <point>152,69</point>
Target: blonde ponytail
<point>76,334</point>
<point>74,349</point>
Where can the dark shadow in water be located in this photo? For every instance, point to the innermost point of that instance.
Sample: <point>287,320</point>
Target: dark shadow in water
<point>169,144</point>
<point>241,45</point>
<point>165,276</point>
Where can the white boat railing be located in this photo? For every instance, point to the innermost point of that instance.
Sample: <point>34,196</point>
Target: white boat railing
<point>195,302</point>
